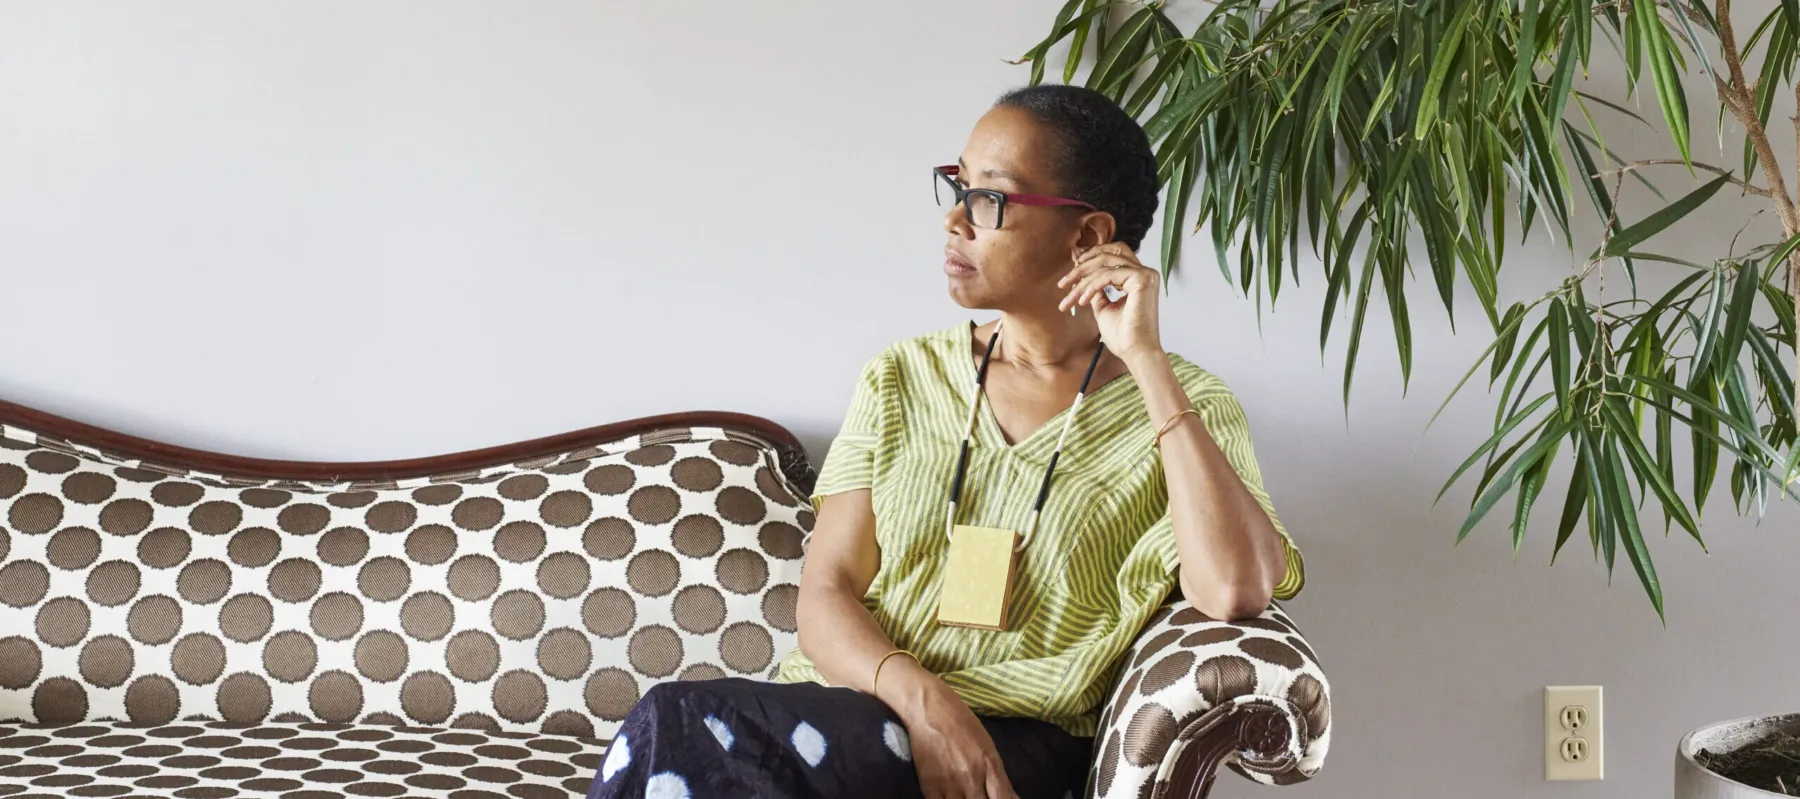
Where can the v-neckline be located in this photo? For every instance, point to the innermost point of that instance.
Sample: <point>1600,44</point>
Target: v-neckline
<point>986,418</point>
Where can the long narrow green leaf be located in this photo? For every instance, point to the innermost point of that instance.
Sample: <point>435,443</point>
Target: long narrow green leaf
<point>1526,49</point>
<point>1753,451</point>
<point>1036,54</point>
<point>1564,77</point>
<point>1624,240</point>
<point>1447,50</point>
<point>1500,340</point>
<point>1610,104</point>
<point>1504,483</point>
<point>1694,44</point>
<point>1539,129</point>
<point>1275,153</point>
<point>1644,465</point>
<point>1596,190</point>
<point>1745,430</point>
<point>1599,512</point>
<point>1778,383</point>
<point>1492,442</point>
<point>1186,108</point>
<point>1438,235</point>
<point>1078,46</point>
<point>1382,100</point>
<point>1618,507</point>
<point>1648,256</point>
<point>1635,550</point>
<point>1529,487</point>
<point>1669,92</point>
<point>1356,320</point>
<point>1349,55</point>
<point>1181,185</point>
<point>1559,356</point>
<point>1737,317</point>
<point>1169,58</point>
<point>1122,53</point>
<point>1782,250</point>
<point>1573,501</point>
<point>1784,312</point>
<point>1504,342</point>
<point>1339,282</point>
<point>1704,430</point>
<point>1633,49</point>
<point>1498,461</point>
<point>1393,280</point>
<point>1706,338</point>
<point>1484,274</point>
<point>1665,436</point>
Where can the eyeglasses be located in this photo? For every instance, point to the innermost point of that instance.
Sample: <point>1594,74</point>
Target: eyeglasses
<point>987,208</point>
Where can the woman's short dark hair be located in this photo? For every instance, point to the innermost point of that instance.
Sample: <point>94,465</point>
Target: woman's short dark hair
<point>1105,159</point>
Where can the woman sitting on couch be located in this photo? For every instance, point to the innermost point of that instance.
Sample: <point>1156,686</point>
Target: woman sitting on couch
<point>1004,508</point>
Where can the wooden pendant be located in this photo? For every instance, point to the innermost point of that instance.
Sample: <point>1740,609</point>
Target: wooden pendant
<point>978,578</point>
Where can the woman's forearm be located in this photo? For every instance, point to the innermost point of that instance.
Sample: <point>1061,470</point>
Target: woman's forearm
<point>837,631</point>
<point>845,644</point>
<point>1231,554</point>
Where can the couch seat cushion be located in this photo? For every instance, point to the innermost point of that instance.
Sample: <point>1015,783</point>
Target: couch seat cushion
<point>291,761</point>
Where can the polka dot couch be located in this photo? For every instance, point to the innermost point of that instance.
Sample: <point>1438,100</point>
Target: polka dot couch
<point>187,624</point>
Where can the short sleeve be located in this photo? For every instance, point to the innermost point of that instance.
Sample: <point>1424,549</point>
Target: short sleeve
<point>1229,428</point>
<point>850,463</point>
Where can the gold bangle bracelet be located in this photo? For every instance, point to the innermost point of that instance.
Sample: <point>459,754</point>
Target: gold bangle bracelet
<point>876,682</point>
<point>1157,442</point>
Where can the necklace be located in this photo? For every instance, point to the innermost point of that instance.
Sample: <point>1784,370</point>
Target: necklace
<point>983,561</point>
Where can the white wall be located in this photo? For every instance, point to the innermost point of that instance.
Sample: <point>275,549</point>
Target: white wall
<point>344,230</point>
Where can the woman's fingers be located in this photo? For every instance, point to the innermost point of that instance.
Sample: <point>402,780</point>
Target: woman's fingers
<point>998,787</point>
<point>1082,274</point>
<point>1091,284</point>
<point>1103,255</point>
<point>1109,248</point>
<point>1100,257</point>
<point>1091,287</point>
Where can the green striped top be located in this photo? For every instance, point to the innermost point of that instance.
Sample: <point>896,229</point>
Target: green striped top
<point>1102,561</point>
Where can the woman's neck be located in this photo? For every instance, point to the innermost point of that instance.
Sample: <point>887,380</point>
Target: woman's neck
<point>1046,341</point>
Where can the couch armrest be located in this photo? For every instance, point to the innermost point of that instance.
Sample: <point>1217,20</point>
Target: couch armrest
<point>1195,693</point>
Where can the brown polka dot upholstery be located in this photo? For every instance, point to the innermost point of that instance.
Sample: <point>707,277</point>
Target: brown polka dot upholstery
<point>467,635</point>
<point>209,635</point>
<point>221,759</point>
<point>1187,672</point>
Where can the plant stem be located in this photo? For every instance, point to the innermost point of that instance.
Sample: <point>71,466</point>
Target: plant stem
<point>1748,189</point>
<point>1738,97</point>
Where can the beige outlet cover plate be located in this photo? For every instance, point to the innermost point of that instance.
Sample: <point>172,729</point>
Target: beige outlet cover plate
<point>1593,731</point>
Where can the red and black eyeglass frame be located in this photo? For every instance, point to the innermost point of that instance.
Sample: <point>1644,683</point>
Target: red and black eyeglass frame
<point>949,172</point>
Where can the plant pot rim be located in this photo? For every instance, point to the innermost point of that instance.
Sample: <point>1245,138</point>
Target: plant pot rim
<point>1733,730</point>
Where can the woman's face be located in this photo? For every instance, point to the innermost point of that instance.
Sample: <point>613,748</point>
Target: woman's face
<point>1017,266</point>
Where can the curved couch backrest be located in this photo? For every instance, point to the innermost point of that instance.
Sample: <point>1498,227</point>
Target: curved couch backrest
<point>542,594</point>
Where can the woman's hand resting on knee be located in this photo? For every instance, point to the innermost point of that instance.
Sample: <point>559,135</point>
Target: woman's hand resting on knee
<point>952,751</point>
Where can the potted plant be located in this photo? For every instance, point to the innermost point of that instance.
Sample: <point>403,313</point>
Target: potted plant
<point>1347,125</point>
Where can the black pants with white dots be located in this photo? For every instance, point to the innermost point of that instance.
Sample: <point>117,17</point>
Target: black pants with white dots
<point>740,738</point>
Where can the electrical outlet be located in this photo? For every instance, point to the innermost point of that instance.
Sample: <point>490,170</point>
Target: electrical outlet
<point>1574,750</point>
<point>1574,717</point>
<point>1573,733</point>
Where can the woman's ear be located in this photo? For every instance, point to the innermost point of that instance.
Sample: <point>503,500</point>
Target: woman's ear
<point>1097,228</point>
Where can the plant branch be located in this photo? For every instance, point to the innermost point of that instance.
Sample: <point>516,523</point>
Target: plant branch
<point>1742,102</point>
<point>1743,105</point>
<point>1731,176</point>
